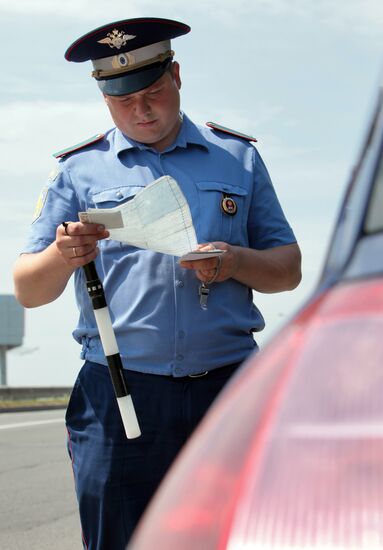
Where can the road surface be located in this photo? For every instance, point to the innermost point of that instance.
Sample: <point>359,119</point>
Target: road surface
<point>38,509</point>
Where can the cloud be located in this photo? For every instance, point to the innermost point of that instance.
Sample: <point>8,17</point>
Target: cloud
<point>84,9</point>
<point>91,10</point>
<point>353,16</point>
<point>54,125</point>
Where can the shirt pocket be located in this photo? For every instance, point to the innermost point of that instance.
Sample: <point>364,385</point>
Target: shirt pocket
<point>213,224</point>
<point>110,198</point>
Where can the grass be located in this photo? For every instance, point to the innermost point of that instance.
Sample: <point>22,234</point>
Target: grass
<point>61,400</point>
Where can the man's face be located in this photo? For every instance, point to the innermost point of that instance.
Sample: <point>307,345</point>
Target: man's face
<point>150,116</point>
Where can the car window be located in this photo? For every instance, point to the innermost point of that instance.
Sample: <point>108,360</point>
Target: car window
<point>362,210</point>
<point>351,215</point>
<point>374,218</point>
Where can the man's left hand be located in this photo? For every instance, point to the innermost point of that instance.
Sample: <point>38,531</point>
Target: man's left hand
<point>215,269</point>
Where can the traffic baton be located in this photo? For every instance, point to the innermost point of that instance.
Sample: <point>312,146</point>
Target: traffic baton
<point>112,354</point>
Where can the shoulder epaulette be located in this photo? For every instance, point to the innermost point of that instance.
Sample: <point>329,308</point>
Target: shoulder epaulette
<point>216,126</point>
<point>67,150</point>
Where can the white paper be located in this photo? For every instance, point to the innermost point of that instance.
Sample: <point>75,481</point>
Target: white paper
<point>158,218</point>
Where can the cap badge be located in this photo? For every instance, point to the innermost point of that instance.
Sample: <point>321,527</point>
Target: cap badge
<point>116,39</point>
<point>123,60</point>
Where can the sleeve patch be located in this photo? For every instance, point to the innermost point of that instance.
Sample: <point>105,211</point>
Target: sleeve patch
<point>215,126</point>
<point>40,203</point>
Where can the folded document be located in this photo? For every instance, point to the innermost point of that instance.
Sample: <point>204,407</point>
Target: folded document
<point>158,218</point>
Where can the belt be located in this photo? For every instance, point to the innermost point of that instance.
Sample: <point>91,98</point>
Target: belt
<point>220,370</point>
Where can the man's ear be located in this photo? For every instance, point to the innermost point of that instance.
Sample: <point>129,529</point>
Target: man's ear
<point>106,99</point>
<point>175,70</point>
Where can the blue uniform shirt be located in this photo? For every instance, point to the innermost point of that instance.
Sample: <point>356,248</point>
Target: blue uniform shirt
<point>154,303</point>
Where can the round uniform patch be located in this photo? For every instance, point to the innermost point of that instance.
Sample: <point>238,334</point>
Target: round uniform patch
<point>229,206</point>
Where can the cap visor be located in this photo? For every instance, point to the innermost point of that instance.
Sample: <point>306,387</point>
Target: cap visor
<point>132,82</point>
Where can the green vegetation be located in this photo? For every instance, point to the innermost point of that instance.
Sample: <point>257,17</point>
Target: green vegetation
<point>37,402</point>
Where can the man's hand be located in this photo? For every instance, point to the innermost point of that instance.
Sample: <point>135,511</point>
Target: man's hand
<point>271,270</point>
<point>215,269</point>
<point>42,276</point>
<point>76,242</point>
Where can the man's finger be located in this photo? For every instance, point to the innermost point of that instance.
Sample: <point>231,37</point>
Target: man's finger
<point>78,228</point>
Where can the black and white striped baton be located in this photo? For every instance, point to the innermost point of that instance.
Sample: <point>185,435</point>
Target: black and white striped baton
<point>112,354</point>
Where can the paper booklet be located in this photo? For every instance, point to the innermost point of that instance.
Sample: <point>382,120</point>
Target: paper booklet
<point>158,218</point>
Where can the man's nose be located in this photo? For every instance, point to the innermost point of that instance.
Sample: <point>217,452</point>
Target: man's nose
<point>142,106</point>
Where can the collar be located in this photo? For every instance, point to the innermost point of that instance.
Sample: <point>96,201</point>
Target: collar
<point>189,134</point>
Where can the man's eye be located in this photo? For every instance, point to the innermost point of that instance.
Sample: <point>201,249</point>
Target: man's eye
<point>154,92</point>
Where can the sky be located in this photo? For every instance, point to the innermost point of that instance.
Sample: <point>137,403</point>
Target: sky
<point>300,75</point>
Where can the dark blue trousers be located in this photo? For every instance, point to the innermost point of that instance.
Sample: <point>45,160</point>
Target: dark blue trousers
<point>116,477</point>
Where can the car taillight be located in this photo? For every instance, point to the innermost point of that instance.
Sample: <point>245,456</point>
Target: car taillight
<point>291,455</point>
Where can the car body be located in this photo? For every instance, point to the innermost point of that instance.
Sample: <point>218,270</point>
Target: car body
<point>290,456</point>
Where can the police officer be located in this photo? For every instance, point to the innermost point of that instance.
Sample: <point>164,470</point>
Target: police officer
<point>183,329</point>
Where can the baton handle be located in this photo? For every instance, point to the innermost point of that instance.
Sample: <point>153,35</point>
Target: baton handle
<point>112,354</point>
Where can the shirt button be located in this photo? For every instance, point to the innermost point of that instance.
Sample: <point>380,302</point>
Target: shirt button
<point>180,357</point>
<point>180,284</point>
<point>181,334</point>
<point>119,195</point>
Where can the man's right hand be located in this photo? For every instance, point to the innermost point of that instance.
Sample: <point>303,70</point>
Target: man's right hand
<point>76,242</point>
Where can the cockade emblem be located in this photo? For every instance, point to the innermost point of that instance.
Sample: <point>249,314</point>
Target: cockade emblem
<point>116,39</point>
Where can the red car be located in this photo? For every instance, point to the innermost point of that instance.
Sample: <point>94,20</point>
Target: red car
<point>291,454</point>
